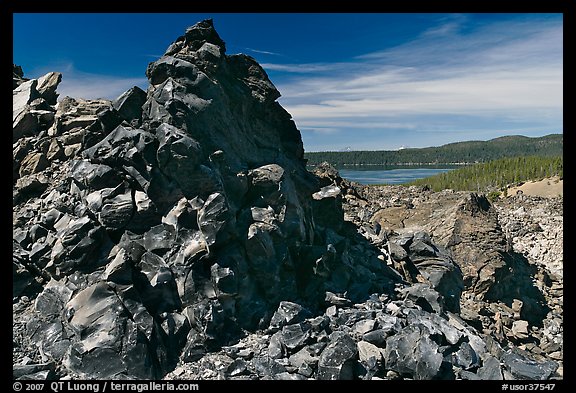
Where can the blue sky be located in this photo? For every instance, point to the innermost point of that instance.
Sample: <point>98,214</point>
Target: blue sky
<point>377,81</point>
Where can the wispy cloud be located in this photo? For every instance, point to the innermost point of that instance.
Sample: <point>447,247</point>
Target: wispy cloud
<point>505,73</point>
<point>264,52</point>
<point>447,26</point>
<point>98,86</point>
<point>321,130</point>
<point>79,84</point>
<point>305,68</point>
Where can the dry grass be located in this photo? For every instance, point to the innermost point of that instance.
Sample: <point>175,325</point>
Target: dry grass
<point>550,187</point>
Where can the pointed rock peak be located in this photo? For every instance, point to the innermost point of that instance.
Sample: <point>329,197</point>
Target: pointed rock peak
<point>17,71</point>
<point>204,31</point>
<point>195,37</point>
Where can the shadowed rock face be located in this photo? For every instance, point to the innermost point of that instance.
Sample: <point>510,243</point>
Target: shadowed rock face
<point>176,232</point>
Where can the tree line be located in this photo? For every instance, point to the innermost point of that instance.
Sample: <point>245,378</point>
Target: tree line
<point>496,175</point>
<point>459,152</point>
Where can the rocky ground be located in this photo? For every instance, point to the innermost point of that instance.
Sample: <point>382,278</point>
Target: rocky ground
<point>510,251</point>
<point>176,233</point>
<point>507,314</point>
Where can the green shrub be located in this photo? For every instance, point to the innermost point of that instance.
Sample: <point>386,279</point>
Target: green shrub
<point>493,196</point>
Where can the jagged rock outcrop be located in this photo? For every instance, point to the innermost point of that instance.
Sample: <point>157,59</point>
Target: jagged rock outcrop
<point>177,233</point>
<point>32,103</point>
<point>17,76</point>
<point>172,219</point>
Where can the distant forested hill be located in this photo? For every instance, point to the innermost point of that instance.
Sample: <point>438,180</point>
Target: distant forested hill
<point>459,152</point>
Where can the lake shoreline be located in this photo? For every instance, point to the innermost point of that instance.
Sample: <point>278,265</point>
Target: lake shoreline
<point>401,164</point>
<point>391,175</point>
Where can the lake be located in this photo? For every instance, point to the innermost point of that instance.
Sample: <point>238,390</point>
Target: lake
<point>384,175</point>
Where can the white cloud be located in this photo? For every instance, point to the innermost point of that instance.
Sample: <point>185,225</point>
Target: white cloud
<point>320,130</point>
<point>305,68</point>
<point>358,123</point>
<point>505,73</point>
<point>264,52</point>
<point>448,26</point>
<point>79,84</point>
<point>93,86</point>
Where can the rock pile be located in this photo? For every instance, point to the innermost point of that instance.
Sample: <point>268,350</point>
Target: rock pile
<point>381,338</point>
<point>510,253</point>
<point>534,227</point>
<point>176,232</point>
<point>32,102</point>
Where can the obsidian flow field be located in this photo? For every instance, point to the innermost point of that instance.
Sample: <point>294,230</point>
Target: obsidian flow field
<point>176,233</point>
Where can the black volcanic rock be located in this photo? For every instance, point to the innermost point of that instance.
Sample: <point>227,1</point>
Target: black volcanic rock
<point>337,361</point>
<point>412,352</point>
<point>17,76</point>
<point>176,233</point>
<point>129,104</point>
<point>190,202</point>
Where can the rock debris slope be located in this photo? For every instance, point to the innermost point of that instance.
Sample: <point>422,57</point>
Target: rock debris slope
<point>176,233</point>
